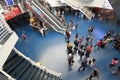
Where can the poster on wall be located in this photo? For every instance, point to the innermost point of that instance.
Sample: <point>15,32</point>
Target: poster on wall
<point>11,12</point>
<point>9,2</point>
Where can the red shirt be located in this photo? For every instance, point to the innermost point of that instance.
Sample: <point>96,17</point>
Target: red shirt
<point>89,48</point>
<point>23,36</point>
<point>99,43</point>
<point>114,62</point>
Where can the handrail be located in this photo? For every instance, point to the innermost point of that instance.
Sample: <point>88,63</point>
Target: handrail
<point>43,19</point>
<point>51,12</point>
<point>40,66</point>
<point>45,10</point>
<point>3,33</point>
<point>85,11</point>
<point>46,14</point>
<point>7,75</point>
<point>56,29</point>
<point>48,22</point>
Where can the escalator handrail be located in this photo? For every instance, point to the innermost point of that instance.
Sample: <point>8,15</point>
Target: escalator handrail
<point>80,8</point>
<point>45,13</point>
<point>51,12</point>
<point>52,15</point>
<point>55,28</point>
<point>48,13</point>
<point>48,22</point>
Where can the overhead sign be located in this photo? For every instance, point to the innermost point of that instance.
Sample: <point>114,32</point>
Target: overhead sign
<point>11,12</point>
<point>9,2</point>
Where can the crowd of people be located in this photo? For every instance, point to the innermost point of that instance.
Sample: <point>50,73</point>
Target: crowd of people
<point>38,26</point>
<point>83,46</point>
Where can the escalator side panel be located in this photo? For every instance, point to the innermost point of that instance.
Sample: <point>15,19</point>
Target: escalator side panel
<point>36,12</point>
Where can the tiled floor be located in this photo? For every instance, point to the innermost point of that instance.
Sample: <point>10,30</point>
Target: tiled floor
<point>51,49</point>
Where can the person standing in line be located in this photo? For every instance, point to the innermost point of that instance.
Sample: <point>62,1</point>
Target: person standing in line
<point>95,73</point>
<point>76,25</point>
<point>75,49</point>
<point>99,43</point>
<point>76,43</point>
<point>92,62</point>
<point>67,34</point>
<point>90,29</point>
<point>81,51</point>
<point>70,59</point>
<point>91,39</point>
<point>80,40</point>
<point>88,51</point>
<point>76,36</point>
<point>83,65</point>
<point>87,40</point>
<point>68,44</point>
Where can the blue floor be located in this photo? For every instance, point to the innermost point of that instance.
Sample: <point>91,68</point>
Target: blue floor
<point>50,50</point>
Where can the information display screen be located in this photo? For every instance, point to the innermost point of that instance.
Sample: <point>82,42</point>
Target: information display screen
<point>9,2</point>
<point>11,12</point>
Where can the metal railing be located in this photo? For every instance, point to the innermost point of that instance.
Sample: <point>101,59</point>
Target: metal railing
<point>58,18</point>
<point>48,14</point>
<point>52,23</point>
<point>7,75</point>
<point>89,14</point>
<point>3,32</point>
<point>40,66</point>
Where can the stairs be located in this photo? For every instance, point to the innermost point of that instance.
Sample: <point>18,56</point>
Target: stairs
<point>21,68</point>
<point>4,34</point>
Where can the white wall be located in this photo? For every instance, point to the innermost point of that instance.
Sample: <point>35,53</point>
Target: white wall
<point>7,48</point>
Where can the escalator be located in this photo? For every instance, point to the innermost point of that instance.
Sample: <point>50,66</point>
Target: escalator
<point>42,13</point>
<point>58,18</point>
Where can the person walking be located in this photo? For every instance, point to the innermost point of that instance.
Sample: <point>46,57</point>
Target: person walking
<point>24,37</point>
<point>83,65</point>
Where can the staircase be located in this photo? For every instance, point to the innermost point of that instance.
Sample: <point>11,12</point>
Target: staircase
<point>8,39</point>
<point>22,68</point>
<point>4,34</point>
